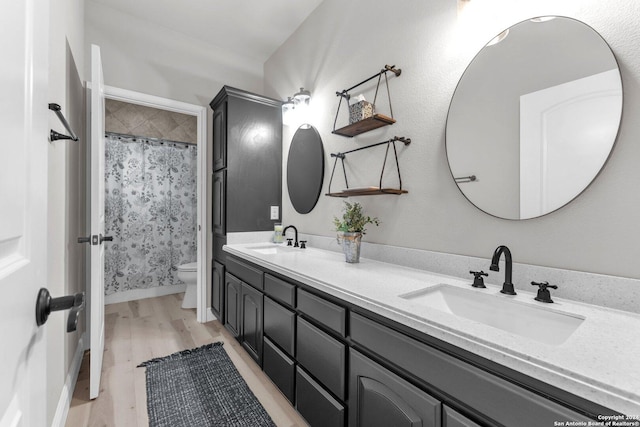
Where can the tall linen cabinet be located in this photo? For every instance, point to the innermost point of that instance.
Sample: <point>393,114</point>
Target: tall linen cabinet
<point>247,182</point>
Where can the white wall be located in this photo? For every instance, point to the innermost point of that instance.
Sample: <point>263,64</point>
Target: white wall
<point>65,191</point>
<point>146,58</point>
<point>343,42</point>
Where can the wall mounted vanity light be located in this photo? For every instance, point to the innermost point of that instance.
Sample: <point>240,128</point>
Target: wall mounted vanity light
<point>302,97</point>
<point>293,108</point>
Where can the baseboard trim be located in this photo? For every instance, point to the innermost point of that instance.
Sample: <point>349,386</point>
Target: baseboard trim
<point>210,316</point>
<point>136,294</point>
<point>62,410</point>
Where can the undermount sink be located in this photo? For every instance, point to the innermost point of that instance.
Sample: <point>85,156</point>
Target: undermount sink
<point>542,324</point>
<point>273,249</point>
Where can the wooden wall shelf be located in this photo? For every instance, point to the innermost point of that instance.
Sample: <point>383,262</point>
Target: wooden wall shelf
<point>375,122</point>
<point>369,191</point>
<point>370,123</point>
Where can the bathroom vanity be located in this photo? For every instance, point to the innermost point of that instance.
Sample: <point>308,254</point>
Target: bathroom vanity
<point>379,344</point>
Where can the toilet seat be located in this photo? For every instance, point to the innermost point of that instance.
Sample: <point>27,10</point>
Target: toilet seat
<point>192,266</point>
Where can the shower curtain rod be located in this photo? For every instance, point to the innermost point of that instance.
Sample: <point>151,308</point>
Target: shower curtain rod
<point>168,141</point>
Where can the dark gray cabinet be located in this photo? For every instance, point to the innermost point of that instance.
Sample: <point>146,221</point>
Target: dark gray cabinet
<point>246,272</point>
<point>247,144</point>
<point>315,404</point>
<point>379,398</point>
<point>452,418</point>
<point>246,161</point>
<point>219,203</point>
<point>490,396</point>
<point>280,368</point>
<point>280,290</point>
<point>220,136</point>
<point>279,325</point>
<point>327,313</point>
<point>232,293</point>
<point>251,321</point>
<point>323,356</point>
<point>339,365</point>
<point>217,290</point>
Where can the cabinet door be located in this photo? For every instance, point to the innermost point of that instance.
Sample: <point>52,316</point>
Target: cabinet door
<point>452,418</point>
<point>254,164</point>
<point>232,293</point>
<point>217,289</point>
<point>220,137</point>
<point>379,398</point>
<point>251,314</point>
<point>219,202</point>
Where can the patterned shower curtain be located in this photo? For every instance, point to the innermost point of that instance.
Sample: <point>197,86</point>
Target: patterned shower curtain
<point>150,209</point>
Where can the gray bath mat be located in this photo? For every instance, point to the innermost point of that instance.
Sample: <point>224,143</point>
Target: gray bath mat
<point>200,387</point>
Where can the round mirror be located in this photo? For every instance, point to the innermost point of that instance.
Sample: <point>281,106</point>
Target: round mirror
<point>305,169</point>
<point>534,117</point>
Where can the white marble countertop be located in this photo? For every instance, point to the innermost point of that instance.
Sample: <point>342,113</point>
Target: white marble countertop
<point>600,361</point>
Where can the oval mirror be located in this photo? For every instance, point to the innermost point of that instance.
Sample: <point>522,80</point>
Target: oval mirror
<point>305,169</point>
<point>534,117</point>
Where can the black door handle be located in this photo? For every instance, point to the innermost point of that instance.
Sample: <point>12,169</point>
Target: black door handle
<point>106,238</point>
<point>45,305</point>
<point>84,239</point>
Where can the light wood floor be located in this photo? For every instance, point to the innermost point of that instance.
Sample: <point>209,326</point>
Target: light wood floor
<point>141,330</point>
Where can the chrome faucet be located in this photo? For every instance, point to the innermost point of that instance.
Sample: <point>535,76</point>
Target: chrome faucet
<point>507,286</point>
<point>284,233</point>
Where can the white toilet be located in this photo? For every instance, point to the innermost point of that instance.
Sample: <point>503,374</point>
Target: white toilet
<point>188,273</point>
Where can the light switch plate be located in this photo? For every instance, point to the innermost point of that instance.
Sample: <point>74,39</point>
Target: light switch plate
<point>275,212</point>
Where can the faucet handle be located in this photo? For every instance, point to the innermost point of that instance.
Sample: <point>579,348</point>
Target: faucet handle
<point>303,244</point>
<point>289,242</point>
<point>478,281</point>
<point>543,292</point>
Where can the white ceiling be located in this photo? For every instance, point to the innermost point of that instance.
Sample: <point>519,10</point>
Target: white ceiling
<point>253,28</point>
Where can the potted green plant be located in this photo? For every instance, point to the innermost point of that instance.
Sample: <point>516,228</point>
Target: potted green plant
<point>351,228</point>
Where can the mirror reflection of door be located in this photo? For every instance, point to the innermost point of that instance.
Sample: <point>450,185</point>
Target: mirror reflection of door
<point>561,134</point>
<point>494,99</point>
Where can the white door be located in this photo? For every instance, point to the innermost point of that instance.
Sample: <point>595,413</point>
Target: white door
<point>97,222</point>
<point>24,116</point>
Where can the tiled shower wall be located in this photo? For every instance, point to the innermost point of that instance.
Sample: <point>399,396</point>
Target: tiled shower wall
<point>137,120</point>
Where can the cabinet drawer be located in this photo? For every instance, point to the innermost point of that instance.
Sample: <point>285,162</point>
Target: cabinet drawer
<point>488,394</point>
<point>280,290</point>
<point>280,368</point>
<point>317,406</point>
<point>245,272</point>
<point>452,418</point>
<point>329,314</point>
<point>321,355</point>
<point>379,398</point>
<point>279,324</point>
